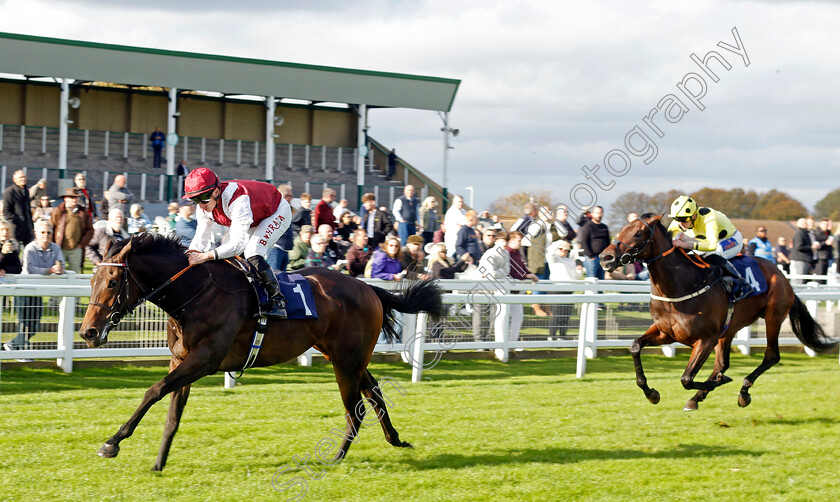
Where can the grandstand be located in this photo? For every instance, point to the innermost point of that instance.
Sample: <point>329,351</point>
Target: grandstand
<point>107,99</point>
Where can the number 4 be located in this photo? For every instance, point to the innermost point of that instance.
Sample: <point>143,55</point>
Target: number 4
<point>748,275</point>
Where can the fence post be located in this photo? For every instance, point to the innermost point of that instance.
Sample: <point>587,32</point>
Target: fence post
<point>744,336</point>
<point>418,356</point>
<point>143,186</point>
<point>581,349</point>
<point>306,157</point>
<point>501,335</point>
<point>591,345</point>
<point>161,182</point>
<point>66,318</point>
<point>305,359</point>
<point>230,380</point>
<point>87,144</point>
<point>339,151</point>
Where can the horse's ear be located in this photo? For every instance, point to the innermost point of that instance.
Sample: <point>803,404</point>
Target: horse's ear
<point>120,257</point>
<point>656,219</point>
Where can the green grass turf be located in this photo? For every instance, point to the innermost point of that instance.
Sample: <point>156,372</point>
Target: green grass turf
<point>482,430</point>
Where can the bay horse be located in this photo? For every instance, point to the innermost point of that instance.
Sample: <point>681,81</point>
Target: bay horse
<point>694,309</point>
<point>211,327</point>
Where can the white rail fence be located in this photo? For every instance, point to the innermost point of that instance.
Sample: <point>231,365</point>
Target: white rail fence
<point>602,314</point>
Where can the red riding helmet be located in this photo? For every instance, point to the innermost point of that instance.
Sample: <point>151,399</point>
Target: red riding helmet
<point>199,181</point>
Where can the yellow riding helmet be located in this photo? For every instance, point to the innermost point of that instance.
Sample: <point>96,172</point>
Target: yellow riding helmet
<point>683,207</point>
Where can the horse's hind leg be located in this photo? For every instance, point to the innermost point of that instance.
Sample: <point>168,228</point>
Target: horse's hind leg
<point>372,390</point>
<point>651,337</point>
<point>717,377</point>
<point>350,387</point>
<point>773,325</point>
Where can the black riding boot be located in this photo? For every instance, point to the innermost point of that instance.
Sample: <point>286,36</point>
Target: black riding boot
<point>275,306</point>
<point>731,276</point>
<point>746,287</point>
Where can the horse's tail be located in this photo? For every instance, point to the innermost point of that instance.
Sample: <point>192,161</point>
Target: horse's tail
<point>420,296</point>
<point>807,329</point>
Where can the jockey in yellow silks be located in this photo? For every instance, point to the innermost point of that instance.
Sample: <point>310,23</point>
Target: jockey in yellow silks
<point>710,234</point>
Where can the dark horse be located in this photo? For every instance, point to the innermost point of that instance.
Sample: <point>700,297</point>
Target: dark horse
<point>211,325</point>
<point>698,309</point>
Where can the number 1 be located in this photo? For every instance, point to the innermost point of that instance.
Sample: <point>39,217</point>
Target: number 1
<point>299,290</point>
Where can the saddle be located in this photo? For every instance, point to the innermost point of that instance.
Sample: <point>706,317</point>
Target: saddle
<point>300,302</point>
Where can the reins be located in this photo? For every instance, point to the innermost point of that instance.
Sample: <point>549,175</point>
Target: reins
<point>116,316</point>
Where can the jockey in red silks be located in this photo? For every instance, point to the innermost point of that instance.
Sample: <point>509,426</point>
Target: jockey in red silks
<point>257,216</point>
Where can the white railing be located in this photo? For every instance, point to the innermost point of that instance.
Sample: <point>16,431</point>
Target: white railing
<point>416,349</point>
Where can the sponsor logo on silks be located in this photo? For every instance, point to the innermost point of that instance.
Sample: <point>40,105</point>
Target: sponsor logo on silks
<point>728,243</point>
<point>274,225</point>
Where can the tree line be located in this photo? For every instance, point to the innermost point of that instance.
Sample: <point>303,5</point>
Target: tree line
<point>735,203</point>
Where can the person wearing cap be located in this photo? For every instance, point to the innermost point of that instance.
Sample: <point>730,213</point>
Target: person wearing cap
<point>413,258</point>
<point>300,248</point>
<point>257,215</point>
<point>85,198</point>
<point>36,191</point>
<point>73,229</point>
<point>711,235</point>
<point>561,267</point>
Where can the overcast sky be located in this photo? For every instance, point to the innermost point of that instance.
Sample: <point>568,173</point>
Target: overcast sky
<point>547,86</point>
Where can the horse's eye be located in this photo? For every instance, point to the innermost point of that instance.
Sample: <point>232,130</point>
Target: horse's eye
<point>112,284</point>
<point>638,235</point>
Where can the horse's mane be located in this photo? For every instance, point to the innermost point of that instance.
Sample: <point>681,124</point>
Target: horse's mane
<point>647,217</point>
<point>149,243</point>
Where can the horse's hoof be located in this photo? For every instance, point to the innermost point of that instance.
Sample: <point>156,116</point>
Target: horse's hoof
<point>404,444</point>
<point>653,397</point>
<point>724,379</point>
<point>108,451</point>
<point>744,400</point>
<point>690,406</point>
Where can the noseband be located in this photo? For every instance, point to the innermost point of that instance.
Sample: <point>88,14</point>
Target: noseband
<point>631,256</point>
<point>121,298</point>
<point>122,295</point>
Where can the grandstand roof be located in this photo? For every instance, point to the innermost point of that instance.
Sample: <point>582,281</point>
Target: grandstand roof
<point>54,57</point>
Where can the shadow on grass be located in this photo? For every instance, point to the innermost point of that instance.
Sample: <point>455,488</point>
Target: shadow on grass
<point>568,456</point>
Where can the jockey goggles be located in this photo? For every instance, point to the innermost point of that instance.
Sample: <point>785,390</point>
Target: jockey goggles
<point>682,219</point>
<point>202,198</point>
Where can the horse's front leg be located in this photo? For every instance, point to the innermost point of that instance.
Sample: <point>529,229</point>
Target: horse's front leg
<point>651,337</point>
<point>173,418</point>
<point>197,364</point>
<point>700,352</point>
<point>717,378</point>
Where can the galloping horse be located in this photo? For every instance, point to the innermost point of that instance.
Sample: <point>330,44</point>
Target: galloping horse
<point>211,326</point>
<point>693,309</point>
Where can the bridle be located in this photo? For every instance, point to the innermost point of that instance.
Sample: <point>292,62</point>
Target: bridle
<point>122,296</point>
<point>632,255</point>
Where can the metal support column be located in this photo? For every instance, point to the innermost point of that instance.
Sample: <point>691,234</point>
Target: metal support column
<point>270,106</point>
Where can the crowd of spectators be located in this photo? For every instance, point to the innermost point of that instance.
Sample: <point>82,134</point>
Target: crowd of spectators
<point>411,239</point>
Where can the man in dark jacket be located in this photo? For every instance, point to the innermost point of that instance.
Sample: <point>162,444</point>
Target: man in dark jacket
<point>376,222</point>
<point>467,241</point>
<point>594,236</point>
<point>16,209</point>
<point>359,253</point>
<point>801,251</point>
